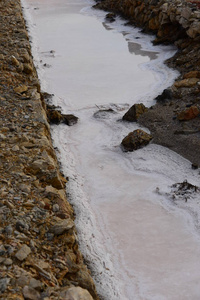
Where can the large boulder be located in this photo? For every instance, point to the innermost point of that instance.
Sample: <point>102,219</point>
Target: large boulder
<point>135,140</point>
<point>135,112</point>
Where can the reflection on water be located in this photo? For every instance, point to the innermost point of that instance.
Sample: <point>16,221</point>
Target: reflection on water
<point>134,48</point>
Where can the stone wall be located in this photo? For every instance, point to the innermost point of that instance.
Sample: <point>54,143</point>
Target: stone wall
<point>170,20</point>
<point>39,253</point>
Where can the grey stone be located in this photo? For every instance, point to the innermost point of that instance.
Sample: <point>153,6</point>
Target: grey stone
<point>23,280</point>
<point>30,293</point>
<point>3,284</point>
<point>76,293</point>
<point>23,253</point>
<point>22,226</point>
<point>35,284</point>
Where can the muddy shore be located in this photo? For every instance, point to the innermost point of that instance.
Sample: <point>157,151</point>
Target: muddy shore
<point>174,119</point>
<point>39,253</point>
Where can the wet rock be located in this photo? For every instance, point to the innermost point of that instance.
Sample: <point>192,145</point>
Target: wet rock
<point>134,112</point>
<point>23,253</point>
<point>166,94</point>
<point>70,119</point>
<point>62,226</point>
<point>110,17</point>
<point>76,293</point>
<point>104,113</point>
<point>54,117</point>
<point>189,114</point>
<point>30,293</point>
<point>135,140</point>
<point>8,262</point>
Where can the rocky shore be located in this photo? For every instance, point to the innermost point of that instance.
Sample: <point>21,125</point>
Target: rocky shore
<point>39,253</point>
<point>174,119</point>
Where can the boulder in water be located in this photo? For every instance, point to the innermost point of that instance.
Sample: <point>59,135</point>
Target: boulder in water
<point>136,140</point>
<point>135,112</point>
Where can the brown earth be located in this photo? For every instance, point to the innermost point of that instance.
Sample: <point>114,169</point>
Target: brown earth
<point>176,22</point>
<point>39,253</point>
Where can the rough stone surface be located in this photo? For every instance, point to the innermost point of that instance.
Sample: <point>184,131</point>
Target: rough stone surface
<point>133,114</point>
<point>136,140</point>
<point>76,293</point>
<point>34,262</point>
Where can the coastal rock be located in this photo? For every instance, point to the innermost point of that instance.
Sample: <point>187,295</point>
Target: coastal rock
<point>54,117</point>
<point>189,113</point>
<point>192,74</point>
<point>76,293</point>
<point>135,140</point>
<point>69,119</point>
<point>135,112</point>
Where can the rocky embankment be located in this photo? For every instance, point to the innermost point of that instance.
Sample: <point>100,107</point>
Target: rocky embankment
<point>174,120</point>
<point>39,254</point>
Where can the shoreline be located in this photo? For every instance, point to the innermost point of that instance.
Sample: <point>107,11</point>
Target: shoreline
<point>180,26</point>
<point>39,253</point>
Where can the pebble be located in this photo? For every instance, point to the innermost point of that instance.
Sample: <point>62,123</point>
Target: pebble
<point>23,252</point>
<point>30,293</point>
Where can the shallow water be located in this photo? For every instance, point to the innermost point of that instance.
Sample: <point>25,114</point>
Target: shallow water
<point>139,243</point>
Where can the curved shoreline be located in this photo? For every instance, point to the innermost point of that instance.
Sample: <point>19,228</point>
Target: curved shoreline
<point>39,253</point>
<point>173,22</point>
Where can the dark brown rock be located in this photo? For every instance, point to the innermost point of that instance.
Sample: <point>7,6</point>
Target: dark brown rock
<point>135,112</point>
<point>135,140</point>
<point>70,119</point>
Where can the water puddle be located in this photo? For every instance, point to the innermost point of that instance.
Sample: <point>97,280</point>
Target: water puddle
<point>139,243</point>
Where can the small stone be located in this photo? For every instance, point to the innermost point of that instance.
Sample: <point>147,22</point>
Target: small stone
<point>21,226</point>
<point>15,148</point>
<point>15,62</point>
<point>3,284</point>
<point>62,226</point>
<point>76,293</point>
<point>56,208</point>
<point>8,262</point>
<point>23,280</point>
<point>23,253</point>
<point>28,68</point>
<point>21,89</point>
<point>30,293</point>
<point>70,119</point>
<point>35,284</point>
<point>9,229</point>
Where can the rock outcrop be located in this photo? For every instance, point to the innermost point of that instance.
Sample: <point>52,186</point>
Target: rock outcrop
<point>39,253</point>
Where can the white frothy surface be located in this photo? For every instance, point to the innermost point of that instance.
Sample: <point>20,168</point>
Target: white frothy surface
<point>140,243</point>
